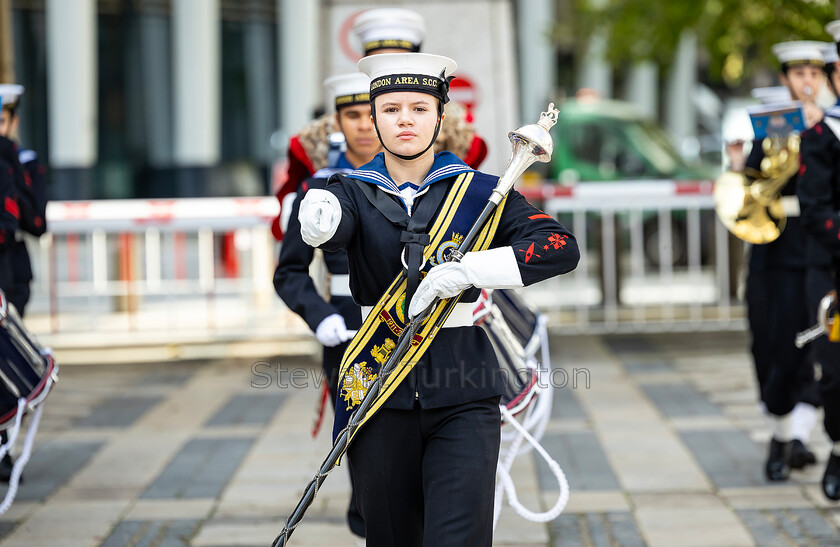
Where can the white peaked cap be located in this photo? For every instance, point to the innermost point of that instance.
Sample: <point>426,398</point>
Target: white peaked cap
<point>346,89</point>
<point>379,28</point>
<point>830,53</point>
<point>802,51</point>
<point>389,64</point>
<point>833,28</point>
<point>770,95</point>
<point>10,93</point>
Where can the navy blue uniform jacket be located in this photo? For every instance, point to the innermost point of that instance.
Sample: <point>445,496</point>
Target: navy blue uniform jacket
<point>460,365</point>
<point>791,249</point>
<point>819,188</point>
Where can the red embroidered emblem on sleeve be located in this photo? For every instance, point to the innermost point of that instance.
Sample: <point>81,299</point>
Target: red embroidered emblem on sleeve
<point>557,240</point>
<point>12,207</point>
<point>829,224</point>
<point>802,169</point>
<point>818,129</point>
<point>530,253</point>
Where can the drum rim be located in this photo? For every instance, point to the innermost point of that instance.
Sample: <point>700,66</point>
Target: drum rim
<point>38,394</point>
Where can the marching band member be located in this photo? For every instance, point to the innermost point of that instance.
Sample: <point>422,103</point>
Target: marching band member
<point>381,30</point>
<point>819,197</point>
<point>424,465</point>
<point>32,192</point>
<point>776,293</point>
<point>330,321</point>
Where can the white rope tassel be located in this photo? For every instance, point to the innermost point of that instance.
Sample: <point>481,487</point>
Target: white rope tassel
<point>17,470</point>
<point>506,483</point>
<point>15,429</point>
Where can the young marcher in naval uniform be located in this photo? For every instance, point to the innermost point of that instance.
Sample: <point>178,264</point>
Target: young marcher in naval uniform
<point>819,198</point>
<point>776,295</point>
<point>32,200</point>
<point>380,30</point>
<point>424,465</point>
<point>332,321</point>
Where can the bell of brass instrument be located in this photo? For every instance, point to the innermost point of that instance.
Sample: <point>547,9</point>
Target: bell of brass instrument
<point>752,209</point>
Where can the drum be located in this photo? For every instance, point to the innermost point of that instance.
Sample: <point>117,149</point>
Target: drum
<point>27,372</point>
<point>516,334</point>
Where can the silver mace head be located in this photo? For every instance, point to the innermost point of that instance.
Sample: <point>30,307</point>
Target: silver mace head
<point>530,143</point>
<point>536,136</point>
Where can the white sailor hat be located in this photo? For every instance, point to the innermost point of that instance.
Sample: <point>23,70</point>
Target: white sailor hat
<point>833,28</point>
<point>10,94</point>
<point>421,72</point>
<point>390,28</point>
<point>800,52</point>
<point>770,95</point>
<point>347,90</point>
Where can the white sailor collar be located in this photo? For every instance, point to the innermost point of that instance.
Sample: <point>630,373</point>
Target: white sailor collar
<point>833,111</point>
<point>446,165</point>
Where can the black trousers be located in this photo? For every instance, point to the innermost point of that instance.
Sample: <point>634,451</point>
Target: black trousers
<point>777,310</point>
<point>820,281</point>
<point>427,476</point>
<point>331,363</point>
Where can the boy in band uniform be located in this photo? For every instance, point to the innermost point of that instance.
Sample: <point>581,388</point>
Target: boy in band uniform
<point>332,321</point>
<point>776,291</point>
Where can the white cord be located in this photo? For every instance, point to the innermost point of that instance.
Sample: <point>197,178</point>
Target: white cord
<point>505,483</point>
<point>17,470</point>
<point>15,429</point>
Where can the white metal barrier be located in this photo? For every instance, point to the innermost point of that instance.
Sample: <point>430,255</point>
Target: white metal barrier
<point>166,270</point>
<point>656,258</point>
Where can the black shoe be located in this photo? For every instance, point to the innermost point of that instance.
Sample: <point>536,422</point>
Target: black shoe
<point>800,456</point>
<point>831,479</point>
<point>777,467</point>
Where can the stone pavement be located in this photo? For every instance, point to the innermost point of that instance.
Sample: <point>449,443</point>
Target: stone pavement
<point>661,441</point>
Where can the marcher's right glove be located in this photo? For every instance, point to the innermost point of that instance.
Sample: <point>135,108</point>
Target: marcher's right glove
<point>319,215</point>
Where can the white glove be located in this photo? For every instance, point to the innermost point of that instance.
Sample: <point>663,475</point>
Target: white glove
<point>319,215</point>
<point>332,331</point>
<point>492,269</point>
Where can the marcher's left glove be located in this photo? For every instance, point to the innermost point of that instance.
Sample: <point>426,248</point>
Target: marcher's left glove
<point>492,269</point>
<point>332,331</point>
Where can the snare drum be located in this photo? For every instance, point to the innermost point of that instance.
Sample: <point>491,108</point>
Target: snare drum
<point>26,370</point>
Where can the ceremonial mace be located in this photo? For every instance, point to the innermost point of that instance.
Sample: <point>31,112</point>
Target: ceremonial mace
<point>530,143</point>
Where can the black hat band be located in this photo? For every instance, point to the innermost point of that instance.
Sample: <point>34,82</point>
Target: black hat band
<point>421,83</point>
<point>351,99</point>
<point>376,45</point>
<point>802,62</point>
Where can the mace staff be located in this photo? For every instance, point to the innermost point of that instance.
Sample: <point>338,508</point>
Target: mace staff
<point>530,143</point>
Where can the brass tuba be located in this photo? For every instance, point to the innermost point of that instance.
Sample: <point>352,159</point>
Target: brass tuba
<point>752,209</point>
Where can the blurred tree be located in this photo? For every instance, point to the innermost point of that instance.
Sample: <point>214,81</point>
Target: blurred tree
<point>736,34</point>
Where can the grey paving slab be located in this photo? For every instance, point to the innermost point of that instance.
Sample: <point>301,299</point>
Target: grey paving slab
<point>565,404</point>
<point>642,366</point>
<point>6,527</point>
<point>624,344</point>
<point>51,465</point>
<point>679,400</point>
<point>247,409</point>
<point>201,469</point>
<point>783,527</point>
<point>138,533</point>
<point>729,458</point>
<point>172,377</point>
<point>119,411</point>
<point>596,530</point>
<point>582,459</point>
